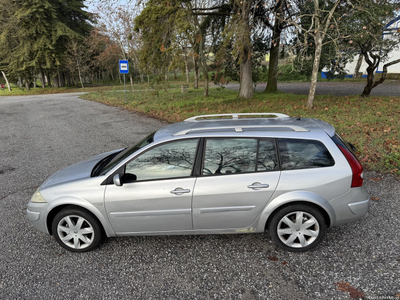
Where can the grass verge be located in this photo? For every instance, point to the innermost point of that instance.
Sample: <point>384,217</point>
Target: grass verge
<point>372,124</point>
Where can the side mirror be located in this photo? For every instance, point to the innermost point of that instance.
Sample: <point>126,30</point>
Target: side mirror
<point>117,180</point>
<point>128,178</point>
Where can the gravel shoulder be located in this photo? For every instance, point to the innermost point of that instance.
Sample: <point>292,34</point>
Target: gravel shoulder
<point>42,134</point>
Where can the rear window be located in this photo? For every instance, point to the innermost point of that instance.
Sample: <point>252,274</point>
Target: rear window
<point>340,141</point>
<point>303,154</point>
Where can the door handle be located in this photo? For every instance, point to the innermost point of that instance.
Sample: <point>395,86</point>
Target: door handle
<point>258,185</point>
<point>180,191</point>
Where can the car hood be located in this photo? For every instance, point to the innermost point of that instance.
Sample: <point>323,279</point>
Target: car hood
<point>77,171</point>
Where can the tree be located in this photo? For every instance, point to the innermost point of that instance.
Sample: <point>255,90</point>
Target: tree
<point>370,38</point>
<point>77,60</point>
<point>161,23</point>
<point>36,34</point>
<point>277,18</point>
<point>324,24</point>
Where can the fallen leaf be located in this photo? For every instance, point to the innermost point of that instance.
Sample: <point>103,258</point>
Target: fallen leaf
<point>346,287</point>
<point>284,263</point>
<point>375,179</point>
<point>375,198</point>
<point>273,258</point>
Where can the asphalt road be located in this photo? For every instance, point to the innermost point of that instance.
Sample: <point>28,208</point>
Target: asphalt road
<point>42,134</point>
<point>344,88</point>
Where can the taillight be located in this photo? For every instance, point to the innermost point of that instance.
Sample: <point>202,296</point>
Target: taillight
<point>355,165</point>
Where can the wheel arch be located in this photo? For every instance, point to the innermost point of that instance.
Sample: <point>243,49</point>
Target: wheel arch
<point>61,204</point>
<point>319,208</point>
<point>299,197</point>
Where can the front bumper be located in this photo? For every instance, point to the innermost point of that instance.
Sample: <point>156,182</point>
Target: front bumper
<point>36,215</point>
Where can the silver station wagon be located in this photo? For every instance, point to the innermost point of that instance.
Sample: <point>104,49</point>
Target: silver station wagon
<point>210,174</point>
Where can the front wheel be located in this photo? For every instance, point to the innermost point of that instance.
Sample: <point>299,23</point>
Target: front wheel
<point>77,230</point>
<point>297,228</point>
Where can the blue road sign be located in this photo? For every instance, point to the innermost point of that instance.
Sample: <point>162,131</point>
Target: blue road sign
<point>123,67</point>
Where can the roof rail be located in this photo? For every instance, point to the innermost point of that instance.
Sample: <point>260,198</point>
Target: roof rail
<point>240,128</point>
<point>236,116</point>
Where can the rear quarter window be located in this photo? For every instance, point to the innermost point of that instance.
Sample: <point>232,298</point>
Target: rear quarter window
<point>303,154</point>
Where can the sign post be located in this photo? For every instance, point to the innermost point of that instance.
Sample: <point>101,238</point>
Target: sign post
<point>124,69</point>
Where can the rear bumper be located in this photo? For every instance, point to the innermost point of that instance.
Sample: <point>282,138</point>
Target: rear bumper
<point>351,206</point>
<point>359,208</point>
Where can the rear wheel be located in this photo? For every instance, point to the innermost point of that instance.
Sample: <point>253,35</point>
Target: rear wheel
<point>297,227</point>
<point>77,230</point>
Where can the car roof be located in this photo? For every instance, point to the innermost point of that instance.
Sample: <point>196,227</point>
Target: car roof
<point>255,122</point>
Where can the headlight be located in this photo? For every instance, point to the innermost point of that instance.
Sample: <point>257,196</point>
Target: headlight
<point>37,197</point>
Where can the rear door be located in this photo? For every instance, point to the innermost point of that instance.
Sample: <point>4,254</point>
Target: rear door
<point>239,176</point>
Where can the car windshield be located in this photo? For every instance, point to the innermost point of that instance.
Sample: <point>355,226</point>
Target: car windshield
<point>126,153</point>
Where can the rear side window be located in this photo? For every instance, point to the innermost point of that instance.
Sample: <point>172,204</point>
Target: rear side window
<point>228,156</point>
<point>303,154</point>
<point>224,156</point>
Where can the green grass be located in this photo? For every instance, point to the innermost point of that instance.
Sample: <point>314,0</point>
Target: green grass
<point>372,124</point>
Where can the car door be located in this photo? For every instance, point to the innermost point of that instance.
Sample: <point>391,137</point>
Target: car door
<point>239,176</point>
<point>157,190</point>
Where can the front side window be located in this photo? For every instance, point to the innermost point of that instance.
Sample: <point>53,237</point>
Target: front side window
<point>303,154</point>
<point>170,160</point>
<point>126,153</point>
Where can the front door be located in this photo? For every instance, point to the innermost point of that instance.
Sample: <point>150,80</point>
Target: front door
<point>160,199</point>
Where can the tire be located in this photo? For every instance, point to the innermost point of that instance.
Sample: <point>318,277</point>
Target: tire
<point>300,236</point>
<point>77,230</point>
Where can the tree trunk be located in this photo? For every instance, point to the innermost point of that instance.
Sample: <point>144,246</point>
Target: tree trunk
<point>26,84</point>
<point>272,83</point>
<point>34,83</point>
<point>370,81</point>
<point>187,69</point>
<point>320,32</point>
<point>148,78</point>
<point>196,73</point>
<point>370,78</point>
<point>48,78</point>
<point>42,78</point>
<point>358,66</point>
<point>19,82</point>
<point>131,79</point>
<point>80,76</point>
<point>68,78</point>
<point>314,75</point>
<point>246,78</point>
<point>204,67</point>
<point>61,79</point>
<point>141,78</point>
<point>55,81</point>
<point>246,81</point>
<point>5,78</point>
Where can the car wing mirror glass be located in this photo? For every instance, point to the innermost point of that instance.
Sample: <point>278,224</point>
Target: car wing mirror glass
<point>128,177</point>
